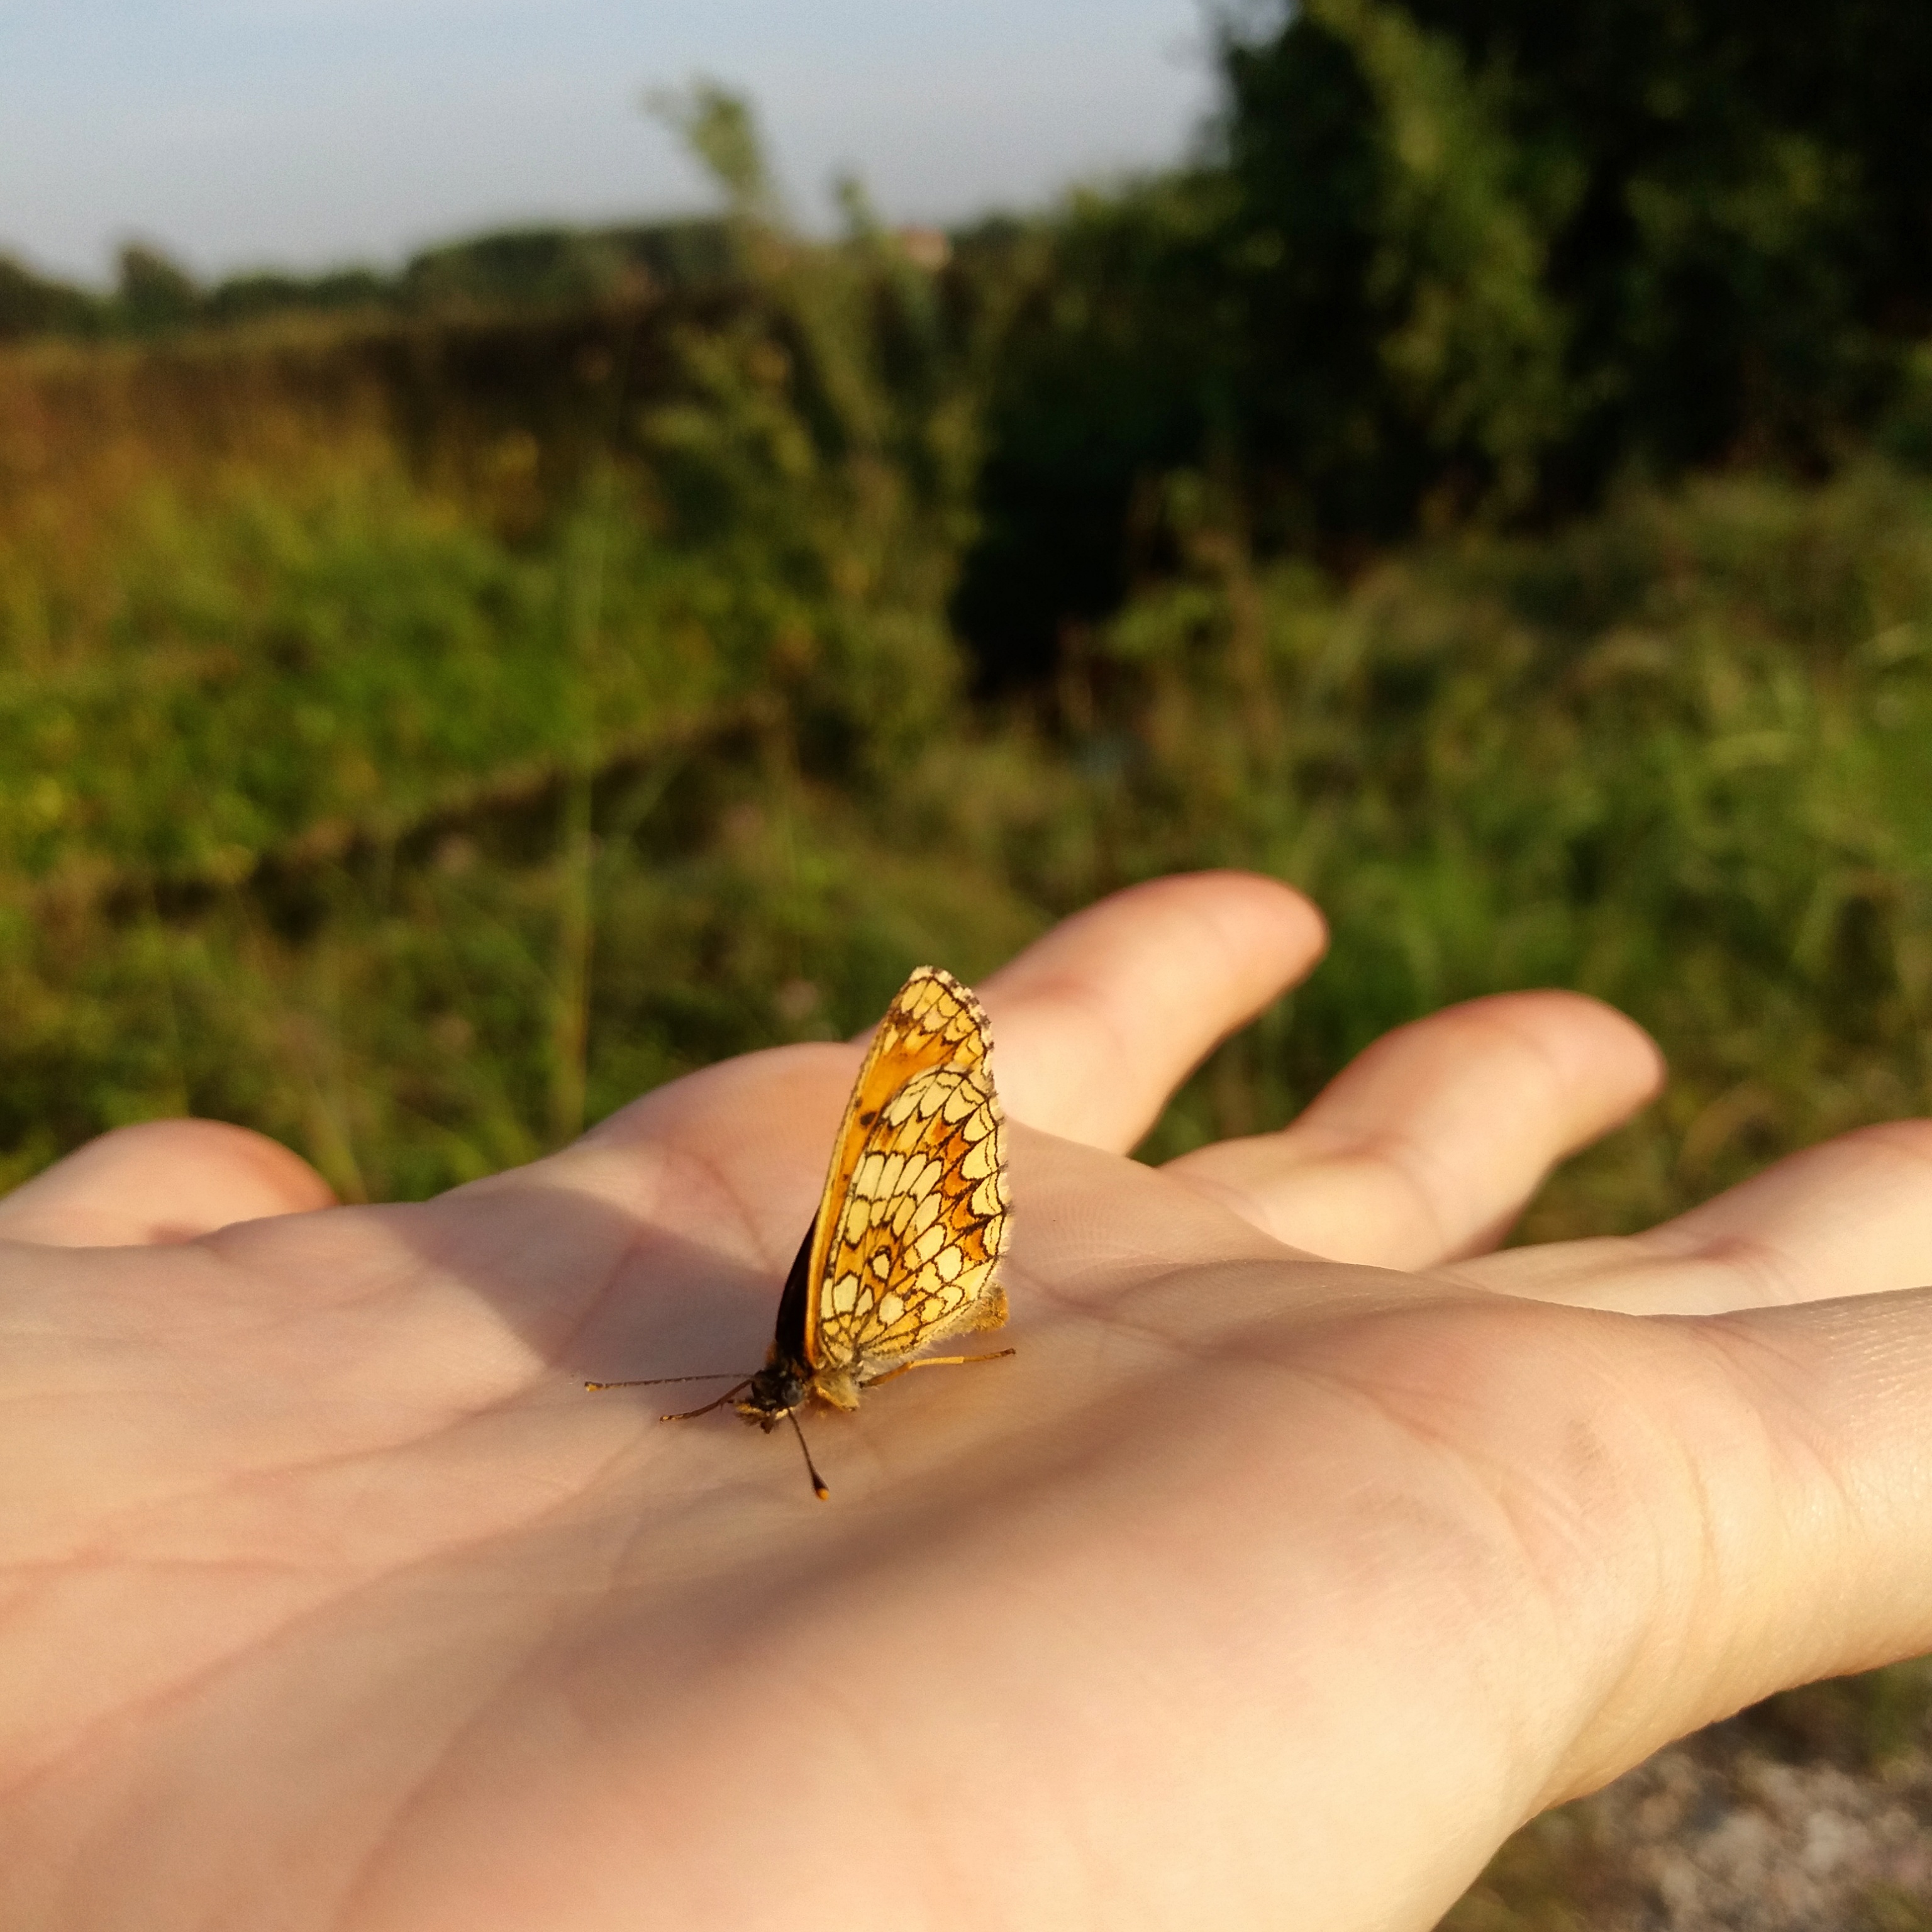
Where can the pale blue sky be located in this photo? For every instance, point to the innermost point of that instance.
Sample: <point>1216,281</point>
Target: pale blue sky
<point>238,133</point>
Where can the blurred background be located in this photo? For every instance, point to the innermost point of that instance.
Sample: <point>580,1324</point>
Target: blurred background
<point>523,571</point>
<point>301,134</point>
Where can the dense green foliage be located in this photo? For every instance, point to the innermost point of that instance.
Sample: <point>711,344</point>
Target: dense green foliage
<point>1455,258</point>
<point>1669,228</point>
<point>309,693</point>
<point>411,823</point>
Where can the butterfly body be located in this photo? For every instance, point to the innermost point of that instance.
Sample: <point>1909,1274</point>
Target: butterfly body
<point>904,1250</point>
<point>786,1382</point>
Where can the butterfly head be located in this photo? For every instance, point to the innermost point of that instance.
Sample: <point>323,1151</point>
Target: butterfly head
<point>774,1392</point>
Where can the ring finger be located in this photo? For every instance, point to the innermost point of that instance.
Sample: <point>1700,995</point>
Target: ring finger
<point>1427,1145</point>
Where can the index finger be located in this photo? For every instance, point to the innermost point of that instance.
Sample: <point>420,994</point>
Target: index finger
<point>1097,1024</point>
<point>158,1182</point>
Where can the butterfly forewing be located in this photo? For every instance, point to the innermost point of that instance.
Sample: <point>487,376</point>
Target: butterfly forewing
<point>907,1245</point>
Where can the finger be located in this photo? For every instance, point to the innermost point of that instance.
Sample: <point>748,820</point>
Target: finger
<point>1853,1217</point>
<point>1428,1144</point>
<point>165,1180</point>
<point>1095,1024</point>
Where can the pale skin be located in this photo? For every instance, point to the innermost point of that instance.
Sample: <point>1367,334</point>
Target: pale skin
<point>1305,1547</point>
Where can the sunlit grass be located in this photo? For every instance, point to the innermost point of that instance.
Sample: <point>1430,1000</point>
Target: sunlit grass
<point>333,808</point>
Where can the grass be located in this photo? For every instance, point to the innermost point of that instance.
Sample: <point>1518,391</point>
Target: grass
<point>1675,758</point>
<point>418,830</point>
<point>416,814</point>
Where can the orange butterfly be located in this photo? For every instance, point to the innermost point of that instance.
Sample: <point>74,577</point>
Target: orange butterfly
<point>905,1248</point>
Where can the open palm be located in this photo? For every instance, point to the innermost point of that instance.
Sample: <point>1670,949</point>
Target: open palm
<point>1257,1589</point>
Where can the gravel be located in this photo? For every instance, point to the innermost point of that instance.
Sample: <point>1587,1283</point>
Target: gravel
<point>1753,1826</point>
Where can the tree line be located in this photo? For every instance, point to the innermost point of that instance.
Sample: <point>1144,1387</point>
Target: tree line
<point>1434,261</point>
<point>553,268</point>
<point>1446,259</point>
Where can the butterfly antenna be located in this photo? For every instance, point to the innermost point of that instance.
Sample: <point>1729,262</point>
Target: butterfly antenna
<point>818,1488</point>
<point>653,1382</point>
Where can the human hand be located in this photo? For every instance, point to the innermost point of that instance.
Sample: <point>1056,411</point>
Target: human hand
<point>1258,1589</point>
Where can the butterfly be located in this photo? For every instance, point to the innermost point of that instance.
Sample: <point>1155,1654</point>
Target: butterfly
<point>904,1250</point>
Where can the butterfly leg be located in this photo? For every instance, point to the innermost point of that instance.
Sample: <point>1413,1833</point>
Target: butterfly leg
<point>936,1362</point>
<point>686,1414</point>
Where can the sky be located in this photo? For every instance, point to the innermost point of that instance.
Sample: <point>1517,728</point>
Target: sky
<point>301,134</point>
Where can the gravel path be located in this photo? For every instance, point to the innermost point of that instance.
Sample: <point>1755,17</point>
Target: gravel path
<point>1811,1814</point>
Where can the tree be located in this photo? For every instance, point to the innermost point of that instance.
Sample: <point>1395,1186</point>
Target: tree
<point>154,293</point>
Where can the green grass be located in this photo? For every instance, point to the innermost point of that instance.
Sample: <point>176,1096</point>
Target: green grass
<point>1676,758</point>
<point>417,817</point>
<point>338,803</point>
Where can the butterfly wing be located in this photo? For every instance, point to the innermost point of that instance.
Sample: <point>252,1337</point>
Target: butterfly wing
<point>907,1246</point>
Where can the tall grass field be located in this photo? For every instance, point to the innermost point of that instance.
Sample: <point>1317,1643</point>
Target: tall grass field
<point>417,810</point>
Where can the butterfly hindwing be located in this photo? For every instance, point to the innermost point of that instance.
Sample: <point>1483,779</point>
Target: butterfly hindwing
<point>923,1224</point>
<point>907,1245</point>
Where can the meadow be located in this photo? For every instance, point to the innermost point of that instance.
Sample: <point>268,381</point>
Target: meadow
<point>416,760</point>
<point>417,798</point>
